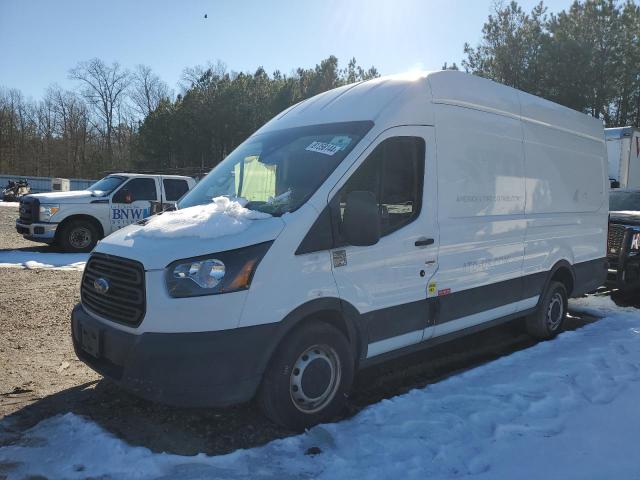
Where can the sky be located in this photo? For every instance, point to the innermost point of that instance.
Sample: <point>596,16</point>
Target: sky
<point>42,39</point>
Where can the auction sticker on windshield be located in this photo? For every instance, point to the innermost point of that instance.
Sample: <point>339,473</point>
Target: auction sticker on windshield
<point>324,148</point>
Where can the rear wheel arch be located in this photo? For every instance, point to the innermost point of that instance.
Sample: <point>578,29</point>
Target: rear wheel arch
<point>562,272</point>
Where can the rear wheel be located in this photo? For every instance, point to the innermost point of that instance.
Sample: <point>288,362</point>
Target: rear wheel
<point>309,377</point>
<point>78,236</point>
<point>547,321</point>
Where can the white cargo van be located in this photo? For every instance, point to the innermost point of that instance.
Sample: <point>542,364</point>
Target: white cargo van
<point>623,150</point>
<point>366,222</point>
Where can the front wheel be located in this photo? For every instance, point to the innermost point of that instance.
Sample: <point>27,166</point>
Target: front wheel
<point>547,321</point>
<point>78,236</point>
<point>308,379</point>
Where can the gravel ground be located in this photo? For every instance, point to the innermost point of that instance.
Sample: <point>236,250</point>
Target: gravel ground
<point>40,377</point>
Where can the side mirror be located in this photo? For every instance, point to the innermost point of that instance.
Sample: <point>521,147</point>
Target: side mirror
<point>361,220</point>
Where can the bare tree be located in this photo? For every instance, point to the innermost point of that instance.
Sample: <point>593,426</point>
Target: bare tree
<point>192,76</point>
<point>147,90</point>
<point>72,127</point>
<point>104,88</point>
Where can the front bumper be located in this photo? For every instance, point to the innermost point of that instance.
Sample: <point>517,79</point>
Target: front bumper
<point>202,369</point>
<point>624,273</point>
<point>38,232</point>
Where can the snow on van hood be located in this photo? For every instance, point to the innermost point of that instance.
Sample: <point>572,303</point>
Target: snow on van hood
<point>75,196</point>
<point>221,225</point>
<point>221,217</point>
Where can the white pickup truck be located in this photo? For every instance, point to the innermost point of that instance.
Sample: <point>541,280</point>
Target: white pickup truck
<point>76,220</point>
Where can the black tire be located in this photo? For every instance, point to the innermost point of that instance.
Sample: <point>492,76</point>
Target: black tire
<point>546,322</point>
<point>297,393</point>
<point>77,236</point>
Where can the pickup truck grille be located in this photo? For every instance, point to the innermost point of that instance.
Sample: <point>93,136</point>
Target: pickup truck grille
<point>29,210</point>
<point>124,298</point>
<point>615,239</point>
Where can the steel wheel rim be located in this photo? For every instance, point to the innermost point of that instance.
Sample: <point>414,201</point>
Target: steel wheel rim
<point>555,311</point>
<point>328,358</point>
<point>80,237</point>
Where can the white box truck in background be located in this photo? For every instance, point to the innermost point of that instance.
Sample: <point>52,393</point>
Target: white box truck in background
<point>623,150</point>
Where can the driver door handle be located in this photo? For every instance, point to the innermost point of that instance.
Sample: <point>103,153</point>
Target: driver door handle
<point>423,242</point>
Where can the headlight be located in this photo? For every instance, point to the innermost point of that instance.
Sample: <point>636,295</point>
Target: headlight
<point>48,210</point>
<point>205,273</point>
<point>223,272</point>
<point>635,243</point>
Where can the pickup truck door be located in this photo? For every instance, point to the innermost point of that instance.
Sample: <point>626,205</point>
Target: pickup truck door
<point>132,201</point>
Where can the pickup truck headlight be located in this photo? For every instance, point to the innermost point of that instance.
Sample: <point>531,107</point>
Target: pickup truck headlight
<point>213,274</point>
<point>635,243</point>
<point>48,210</point>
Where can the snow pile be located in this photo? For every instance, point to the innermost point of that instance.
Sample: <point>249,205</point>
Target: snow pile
<point>35,260</point>
<point>9,204</point>
<point>565,409</point>
<point>221,217</point>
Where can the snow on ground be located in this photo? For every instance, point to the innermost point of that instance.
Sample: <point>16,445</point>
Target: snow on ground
<point>9,204</point>
<point>564,409</point>
<point>33,260</point>
<point>221,217</point>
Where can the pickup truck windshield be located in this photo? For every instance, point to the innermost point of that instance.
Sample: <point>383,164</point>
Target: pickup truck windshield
<point>106,185</point>
<point>276,172</point>
<point>621,201</point>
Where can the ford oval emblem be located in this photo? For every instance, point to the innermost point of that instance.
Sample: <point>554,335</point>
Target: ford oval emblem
<point>101,285</point>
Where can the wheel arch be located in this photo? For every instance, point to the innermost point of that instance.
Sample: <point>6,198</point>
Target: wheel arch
<point>564,273</point>
<point>83,217</point>
<point>333,311</point>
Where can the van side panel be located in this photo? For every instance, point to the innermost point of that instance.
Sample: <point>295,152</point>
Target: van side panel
<point>480,214</point>
<point>566,186</point>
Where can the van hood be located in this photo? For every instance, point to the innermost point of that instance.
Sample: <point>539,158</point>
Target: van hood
<point>628,217</point>
<point>191,232</point>
<point>76,196</point>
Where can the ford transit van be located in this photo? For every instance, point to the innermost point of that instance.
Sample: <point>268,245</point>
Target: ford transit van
<point>358,225</point>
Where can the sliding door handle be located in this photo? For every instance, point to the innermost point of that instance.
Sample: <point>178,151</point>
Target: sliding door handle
<point>423,242</point>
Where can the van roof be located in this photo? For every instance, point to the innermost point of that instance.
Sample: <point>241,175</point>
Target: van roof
<point>409,99</point>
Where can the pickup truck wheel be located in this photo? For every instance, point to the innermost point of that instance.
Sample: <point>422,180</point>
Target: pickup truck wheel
<point>547,321</point>
<point>78,236</point>
<point>308,379</point>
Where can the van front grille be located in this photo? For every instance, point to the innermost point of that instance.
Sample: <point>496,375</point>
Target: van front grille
<point>113,287</point>
<point>615,239</point>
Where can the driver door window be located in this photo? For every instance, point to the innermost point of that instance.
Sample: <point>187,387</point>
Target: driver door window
<point>394,173</point>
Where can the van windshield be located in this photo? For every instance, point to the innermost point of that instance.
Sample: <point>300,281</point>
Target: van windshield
<point>276,172</point>
<point>106,185</point>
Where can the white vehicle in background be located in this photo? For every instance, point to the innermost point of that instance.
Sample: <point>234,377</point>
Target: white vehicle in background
<point>76,220</point>
<point>623,151</point>
<point>364,223</point>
